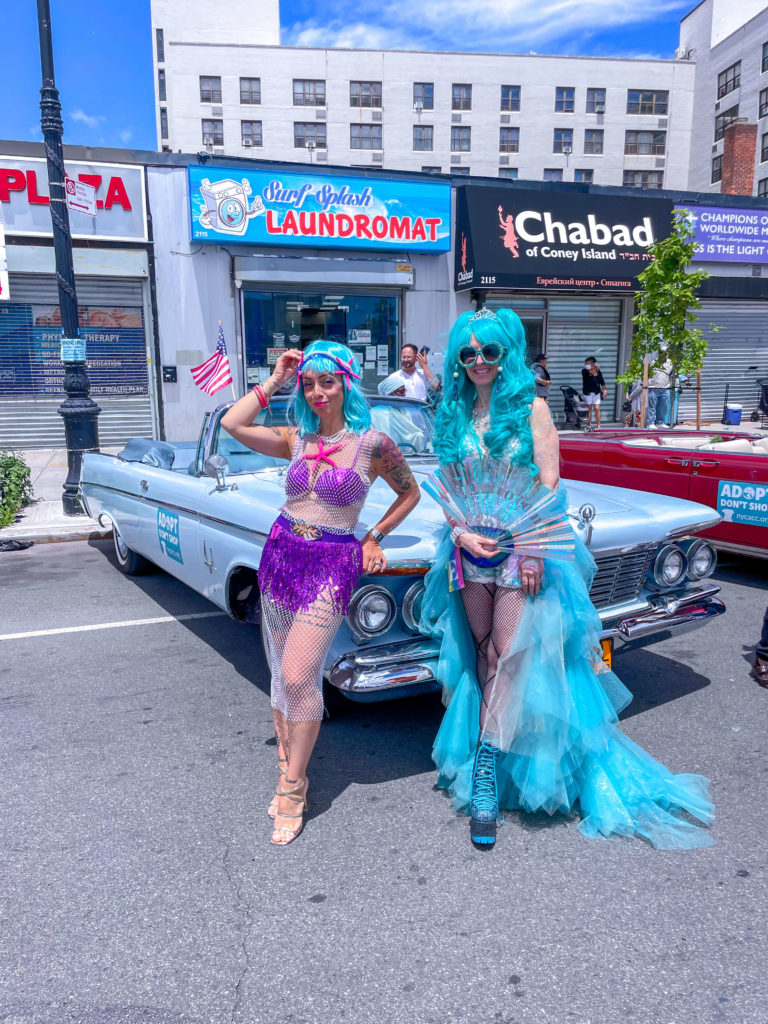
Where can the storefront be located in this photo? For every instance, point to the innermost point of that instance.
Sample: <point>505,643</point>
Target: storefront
<point>112,278</point>
<point>567,262</point>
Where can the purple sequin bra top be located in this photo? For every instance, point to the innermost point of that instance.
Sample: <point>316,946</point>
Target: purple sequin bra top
<point>327,481</point>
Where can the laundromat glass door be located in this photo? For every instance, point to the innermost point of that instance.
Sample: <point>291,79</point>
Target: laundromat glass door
<point>275,321</point>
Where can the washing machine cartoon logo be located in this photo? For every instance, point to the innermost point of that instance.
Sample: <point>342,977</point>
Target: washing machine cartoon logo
<point>227,207</point>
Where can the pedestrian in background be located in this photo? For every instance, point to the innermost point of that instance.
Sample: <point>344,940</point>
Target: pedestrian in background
<point>633,404</point>
<point>543,380</point>
<point>415,373</point>
<point>657,410</point>
<point>760,667</point>
<point>592,388</point>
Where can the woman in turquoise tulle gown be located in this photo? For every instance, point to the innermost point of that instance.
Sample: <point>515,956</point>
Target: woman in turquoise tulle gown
<point>531,721</point>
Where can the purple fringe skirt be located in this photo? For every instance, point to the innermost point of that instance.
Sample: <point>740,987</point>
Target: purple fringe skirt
<point>300,561</point>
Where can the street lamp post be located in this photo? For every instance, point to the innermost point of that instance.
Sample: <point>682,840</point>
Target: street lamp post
<point>78,410</point>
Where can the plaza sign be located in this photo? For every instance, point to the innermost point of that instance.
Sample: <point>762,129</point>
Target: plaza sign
<point>519,238</point>
<point>119,192</point>
<point>285,208</point>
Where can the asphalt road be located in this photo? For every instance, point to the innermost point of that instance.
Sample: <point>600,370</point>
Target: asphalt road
<point>138,884</point>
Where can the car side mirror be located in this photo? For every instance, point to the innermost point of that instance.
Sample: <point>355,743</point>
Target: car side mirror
<point>217,467</point>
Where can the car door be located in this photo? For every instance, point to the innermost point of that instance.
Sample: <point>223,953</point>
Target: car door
<point>737,486</point>
<point>647,465</point>
<point>580,457</point>
<point>169,528</point>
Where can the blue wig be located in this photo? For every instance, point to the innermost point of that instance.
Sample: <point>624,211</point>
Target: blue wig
<point>357,415</point>
<point>511,396</point>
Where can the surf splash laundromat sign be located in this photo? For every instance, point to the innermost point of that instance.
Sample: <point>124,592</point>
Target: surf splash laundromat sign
<point>256,207</point>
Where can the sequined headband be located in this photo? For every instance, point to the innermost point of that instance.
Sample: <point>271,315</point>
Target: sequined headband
<point>483,314</point>
<point>343,366</point>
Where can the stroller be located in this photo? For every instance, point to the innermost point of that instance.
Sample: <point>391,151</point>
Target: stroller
<point>576,417</point>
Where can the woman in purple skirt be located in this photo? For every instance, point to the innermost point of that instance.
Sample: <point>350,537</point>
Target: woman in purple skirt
<point>312,559</point>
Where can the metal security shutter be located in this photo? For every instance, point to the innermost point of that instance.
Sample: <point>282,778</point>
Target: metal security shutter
<point>112,319</point>
<point>581,327</point>
<point>737,355</point>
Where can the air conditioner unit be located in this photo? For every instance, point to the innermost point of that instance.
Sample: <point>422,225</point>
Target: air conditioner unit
<point>322,156</point>
<point>567,150</point>
<point>660,161</point>
<point>680,53</point>
<point>207,140</point>
<point>378,158</point>
<point>247,142</point>
<point>503,159</point>
<point>455,118</point>
<point>599,108</point>
<point>217,111</point>
<point>321,115</point>
<point>376,115</point>
<point>418,107</point>
<point>455,159</point>
<point>505,118</point>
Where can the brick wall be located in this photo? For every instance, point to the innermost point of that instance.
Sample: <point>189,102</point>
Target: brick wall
<point>739,158</point>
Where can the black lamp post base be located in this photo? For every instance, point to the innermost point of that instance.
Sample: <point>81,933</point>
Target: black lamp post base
<point>81,430</point>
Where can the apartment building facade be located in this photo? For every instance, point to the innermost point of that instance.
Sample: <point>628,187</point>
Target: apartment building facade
<point>225,85</point>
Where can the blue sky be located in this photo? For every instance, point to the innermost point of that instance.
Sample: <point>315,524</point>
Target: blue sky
<point>103,49</point>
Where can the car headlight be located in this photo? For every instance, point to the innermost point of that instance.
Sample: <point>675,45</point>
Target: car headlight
<point>701,558</point>
<point>412,606</point>
<point>669,567</point>
<point>372,611</point>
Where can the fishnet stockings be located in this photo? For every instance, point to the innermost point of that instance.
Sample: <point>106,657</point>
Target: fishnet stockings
<point>494,615</point>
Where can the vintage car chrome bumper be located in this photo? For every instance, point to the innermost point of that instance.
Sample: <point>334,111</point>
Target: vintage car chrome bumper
<point>410,667</point>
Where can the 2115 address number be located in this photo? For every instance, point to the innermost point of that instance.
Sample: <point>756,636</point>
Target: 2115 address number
<point>488,280</point>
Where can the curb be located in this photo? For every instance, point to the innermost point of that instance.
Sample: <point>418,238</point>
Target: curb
<point>54,536</point>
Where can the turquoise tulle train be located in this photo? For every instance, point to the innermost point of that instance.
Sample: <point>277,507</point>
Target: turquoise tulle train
<point>561,747</point>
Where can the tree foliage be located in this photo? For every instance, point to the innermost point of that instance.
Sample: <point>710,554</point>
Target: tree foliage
<point>666,307</point>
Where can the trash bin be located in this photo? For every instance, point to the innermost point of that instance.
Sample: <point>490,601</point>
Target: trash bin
<point>732,415</point>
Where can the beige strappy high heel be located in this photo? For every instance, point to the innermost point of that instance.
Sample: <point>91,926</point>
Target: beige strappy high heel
<point>282,835</point>
<point>272,809</point>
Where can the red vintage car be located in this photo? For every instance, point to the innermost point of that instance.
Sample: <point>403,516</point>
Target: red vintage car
<point>726,470</point>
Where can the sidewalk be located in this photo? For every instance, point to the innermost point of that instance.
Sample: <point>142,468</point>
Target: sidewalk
<point>44,521</point>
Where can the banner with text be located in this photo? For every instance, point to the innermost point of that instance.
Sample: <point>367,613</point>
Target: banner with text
<point>258,207</point>
<point>518,238</point>
<point>730,235</point>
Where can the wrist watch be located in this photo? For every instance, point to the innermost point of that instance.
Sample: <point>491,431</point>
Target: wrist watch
<point>376,535</point>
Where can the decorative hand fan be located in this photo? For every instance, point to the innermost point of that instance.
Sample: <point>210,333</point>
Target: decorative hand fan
<point>505,503</point>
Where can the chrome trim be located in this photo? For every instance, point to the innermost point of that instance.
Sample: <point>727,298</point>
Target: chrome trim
<point>739,549</point>
<point>696,546</point>
<point>410,599</point>
<point>691,528</point>
<point>658,565</point>
<point>669,612</point>
<point>354,624</point>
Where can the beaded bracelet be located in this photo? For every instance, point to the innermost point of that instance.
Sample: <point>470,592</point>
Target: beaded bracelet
<point>258,390</point>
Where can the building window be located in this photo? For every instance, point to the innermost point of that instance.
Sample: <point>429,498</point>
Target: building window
<point>309,131</point>
<point>553,174</point>
<point>647,101</point>
<point>422,137</point>
<point>308,92</point>
<point>585,175</point>
<point>764,148</point>
<point>729,80</point>
<point>763,104</point>
<point>510,97</point>
<point>250,133</point>
<point>762,187</point>
<point>563,140</point>
<point>723,120</point>
<point>461,139</point>
<point>161,85</point>
<point>365,94</point>
<point>460,170</point>
<point>763,67</point>
<point>163,123</point>
<point>429,169</point>
<point>461,97</point>
<point>250,90</point>
<point>509,140</point>
<point>424,94</point>
<point>643,179</point>
<point>565,99</point>
<point>593,140</point>
<point>508,172</point>
<point>645,143</point>
<point>717,169</point>
<point>213,132</point>
<point>159,46</point>
<point>595,101</point>
<point>365,136</point>
<point>210,89</point>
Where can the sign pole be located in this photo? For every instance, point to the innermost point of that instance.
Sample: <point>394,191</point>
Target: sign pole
<point>698,399</point>
<point>78,410</point>
<point>645,391</point>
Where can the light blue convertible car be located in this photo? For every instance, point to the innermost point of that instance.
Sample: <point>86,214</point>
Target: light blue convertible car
<point>202,512</point>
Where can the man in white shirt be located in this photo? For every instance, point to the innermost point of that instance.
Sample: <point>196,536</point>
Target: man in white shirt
<point>415,374</point>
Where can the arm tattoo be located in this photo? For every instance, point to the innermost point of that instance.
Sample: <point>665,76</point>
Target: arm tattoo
<point>391,464</point>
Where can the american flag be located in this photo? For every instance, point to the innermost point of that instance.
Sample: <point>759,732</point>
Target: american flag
<point>214,373</point>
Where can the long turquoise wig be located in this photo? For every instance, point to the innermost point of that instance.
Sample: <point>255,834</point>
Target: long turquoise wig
<point>511,397</point>
<point>357,415</point>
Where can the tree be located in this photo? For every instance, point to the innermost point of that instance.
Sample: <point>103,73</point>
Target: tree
<point>665,308</point>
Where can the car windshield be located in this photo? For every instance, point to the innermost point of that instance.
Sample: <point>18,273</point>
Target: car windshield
<point>408,423</point>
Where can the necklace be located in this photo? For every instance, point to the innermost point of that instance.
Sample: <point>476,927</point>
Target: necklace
<point>334,437</point>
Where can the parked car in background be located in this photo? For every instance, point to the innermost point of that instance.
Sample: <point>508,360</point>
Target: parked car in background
<point>202,511</point>
<point>727,471</point>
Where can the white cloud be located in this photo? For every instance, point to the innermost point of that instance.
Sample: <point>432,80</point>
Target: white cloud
<point>514,26</point>
<point>125,136</point>
<point>91,120</point>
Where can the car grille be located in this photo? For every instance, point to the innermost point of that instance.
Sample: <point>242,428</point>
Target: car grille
<point>620,577</point>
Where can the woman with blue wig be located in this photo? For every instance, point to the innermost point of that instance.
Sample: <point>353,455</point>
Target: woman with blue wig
<point>312,559</point>
<point>531,719</point>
